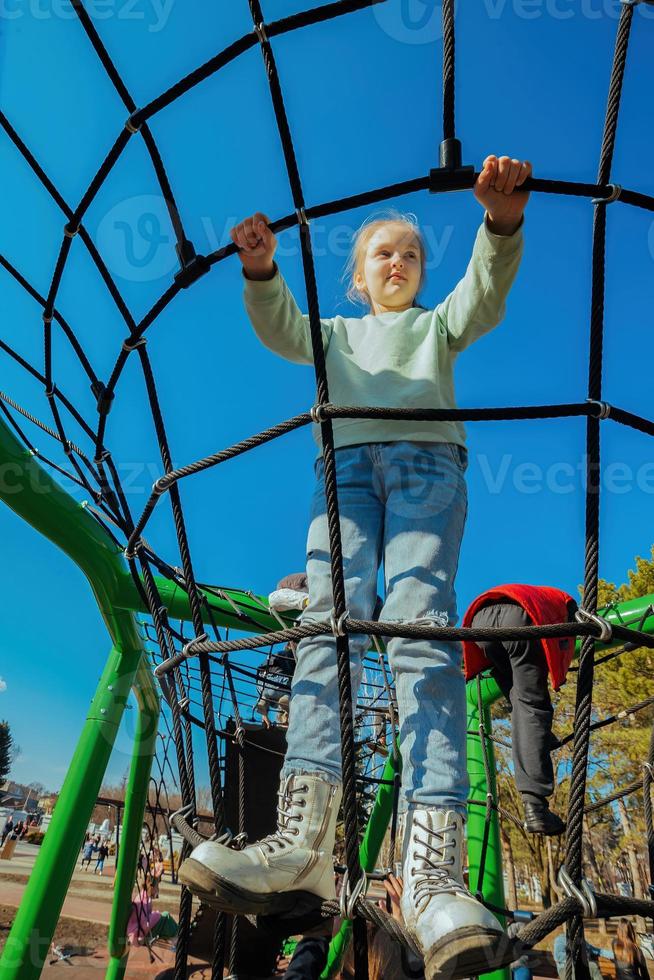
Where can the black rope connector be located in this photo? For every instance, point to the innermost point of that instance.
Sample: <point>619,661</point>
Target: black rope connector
<point>102,458</point>
<point>103,397</point>
<point>193,266</point>
<point>133,123</point>
<point>50,392</point>
<point>70,231</point>
<point>302,217</point>
<point>47,317</point>
<point>451,175</point>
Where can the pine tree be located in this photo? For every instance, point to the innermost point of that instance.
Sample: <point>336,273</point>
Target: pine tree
<point>6,754</point>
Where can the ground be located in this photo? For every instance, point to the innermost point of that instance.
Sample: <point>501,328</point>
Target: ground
<point>83,926</point>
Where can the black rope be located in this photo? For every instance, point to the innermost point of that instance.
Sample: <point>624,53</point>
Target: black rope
<point>576,965</point>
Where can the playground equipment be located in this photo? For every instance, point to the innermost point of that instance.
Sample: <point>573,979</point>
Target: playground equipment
<point>132,579</point>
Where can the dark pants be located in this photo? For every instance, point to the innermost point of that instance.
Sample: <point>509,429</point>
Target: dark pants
<point>520,669</point>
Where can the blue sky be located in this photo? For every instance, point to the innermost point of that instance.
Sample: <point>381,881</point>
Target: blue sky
<point>363,94</point>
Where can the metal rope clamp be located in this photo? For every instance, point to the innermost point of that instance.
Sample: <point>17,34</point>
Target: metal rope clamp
<point>616,191</point>
<point>260,31</point>
<point>188,650</point>
<point>128,346</point>
<point>130,125</point>
<point>348,899</point>
<point>604,408</point>
<point>606,630</point>
<point>317,413</point>
<point>584,895</point>
<point>338,625</point>
<point>302,217</point>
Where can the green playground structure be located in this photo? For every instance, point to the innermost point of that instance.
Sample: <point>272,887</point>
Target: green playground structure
<point>36,497</point>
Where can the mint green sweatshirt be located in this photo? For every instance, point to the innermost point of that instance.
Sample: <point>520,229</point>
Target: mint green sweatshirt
<point>403,360</point>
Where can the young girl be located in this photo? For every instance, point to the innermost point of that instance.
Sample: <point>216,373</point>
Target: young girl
<point>629,960</point>
<point>402,499</point>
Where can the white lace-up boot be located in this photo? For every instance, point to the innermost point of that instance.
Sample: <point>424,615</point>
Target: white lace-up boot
<point>260,878</point>
<point>458,936</point>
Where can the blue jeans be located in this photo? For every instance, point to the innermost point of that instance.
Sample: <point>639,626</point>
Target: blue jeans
<point>404,503</point>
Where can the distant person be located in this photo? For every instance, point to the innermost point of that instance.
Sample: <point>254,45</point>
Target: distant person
<point>88,851</point>
<point>292,593</point>
<point>629,959</point>
<point>521,669</point>
<point>8,828</point>
<point>309,958</point>
<point>103,851</point>
<point>157,871</point>
<point>276,676</point>
<point>592,954</point>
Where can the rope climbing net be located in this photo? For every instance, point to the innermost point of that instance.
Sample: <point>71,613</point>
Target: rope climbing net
<point>201,675</point>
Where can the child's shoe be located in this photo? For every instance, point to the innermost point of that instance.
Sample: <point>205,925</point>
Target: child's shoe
<point>458,936</point>
<point>261,878</point>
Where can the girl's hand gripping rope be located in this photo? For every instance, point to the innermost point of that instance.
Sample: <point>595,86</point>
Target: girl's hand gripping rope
<point>257,246</point>
<point>495,189</point>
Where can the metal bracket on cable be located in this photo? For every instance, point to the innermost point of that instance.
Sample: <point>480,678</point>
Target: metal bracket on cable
<point>606,630</point>
<point>616,191</point>
<point>451,175</point>
<point>584,895</point>
<point>179,820</point>
<point>348,899</point>
<point>302,217</point>
<point>604,408</point>
<point>260,31</point>
<point>129,345</point>
<point>317,413</point>
<point>131,126</point>
<point>338,625</point>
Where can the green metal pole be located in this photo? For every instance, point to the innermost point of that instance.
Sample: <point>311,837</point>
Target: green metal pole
<point>36,497</point>
<point>136,797</point>
<point>31,934</point>
<point>491,884</point>
<point>373,839</point>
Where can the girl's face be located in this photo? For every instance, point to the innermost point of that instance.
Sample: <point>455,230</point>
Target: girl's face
<point>392,268</point>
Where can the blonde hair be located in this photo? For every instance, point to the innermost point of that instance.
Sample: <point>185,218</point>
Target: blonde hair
<point>357,257</point>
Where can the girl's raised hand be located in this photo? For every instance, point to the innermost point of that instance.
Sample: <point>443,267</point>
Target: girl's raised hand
<point>495,190</point>
<point>257,246</point>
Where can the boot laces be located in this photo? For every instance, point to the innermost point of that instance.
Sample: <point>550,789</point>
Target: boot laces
<point>286,807</point>
<point>433,876</point>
